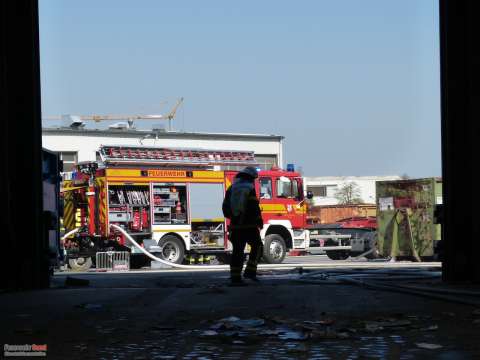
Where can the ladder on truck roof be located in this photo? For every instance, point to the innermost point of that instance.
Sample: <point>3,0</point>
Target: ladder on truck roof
<point>174,156</point>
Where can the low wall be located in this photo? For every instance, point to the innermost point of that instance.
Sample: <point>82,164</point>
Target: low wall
<point>331,213</point>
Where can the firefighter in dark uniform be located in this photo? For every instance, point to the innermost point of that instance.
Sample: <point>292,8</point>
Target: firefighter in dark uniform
<point>241,206</point>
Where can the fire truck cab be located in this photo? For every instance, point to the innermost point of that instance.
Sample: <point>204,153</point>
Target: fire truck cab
<point>169,200</point>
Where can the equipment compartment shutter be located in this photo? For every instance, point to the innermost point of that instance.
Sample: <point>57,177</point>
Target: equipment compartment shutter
<point>206,201</point>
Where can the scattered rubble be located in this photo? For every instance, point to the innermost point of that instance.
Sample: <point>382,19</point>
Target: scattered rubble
<point>373,326</point>
<point>300,348</point>
<point>276,327</point>
<point>431,328</point>
<point>302,336</point>
<point>292,335</point>
<point>88,306</point>
<point>429,346</point>
<point>209,333</point>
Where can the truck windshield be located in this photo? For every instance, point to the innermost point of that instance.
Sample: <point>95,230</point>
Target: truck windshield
<point>265,188</point>
<point>297,189</point>
<point>284,187</point>
<point>289,188</point>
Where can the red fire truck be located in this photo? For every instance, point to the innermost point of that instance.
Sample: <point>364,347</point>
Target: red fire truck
<point>169,200</point>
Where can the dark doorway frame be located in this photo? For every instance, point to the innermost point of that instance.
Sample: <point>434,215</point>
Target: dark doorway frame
<point>460,98</point>
<point>24,250</point>
<point>24,255</point>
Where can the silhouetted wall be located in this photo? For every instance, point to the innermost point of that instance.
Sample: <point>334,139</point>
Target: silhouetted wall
<point>24,250</point>
<point>460,80</point>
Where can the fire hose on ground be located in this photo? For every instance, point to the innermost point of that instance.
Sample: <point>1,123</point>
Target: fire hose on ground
<point>387,280</point>
<point>371,278</point>
<point>147,253</point>
<point>155,258</point>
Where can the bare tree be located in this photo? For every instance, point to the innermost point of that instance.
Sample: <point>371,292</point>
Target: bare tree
<point>349,193</point>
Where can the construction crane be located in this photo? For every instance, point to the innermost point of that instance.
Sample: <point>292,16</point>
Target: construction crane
<point>77,121</point>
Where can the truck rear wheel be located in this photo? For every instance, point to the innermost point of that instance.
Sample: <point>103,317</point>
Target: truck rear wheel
<point>172,249</point>
<point>274,249</point>
<point>80,264</point>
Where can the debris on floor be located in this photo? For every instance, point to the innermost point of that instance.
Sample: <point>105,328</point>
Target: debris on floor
<point>431,328</point>
<point>209,333</point>
<point>429,346</point>
<point>170,318</point>
<point>292,335</point>
<point>275,327</point>
<point>90,306</point>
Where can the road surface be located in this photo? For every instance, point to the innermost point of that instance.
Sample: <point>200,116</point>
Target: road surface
<point>291,262</point>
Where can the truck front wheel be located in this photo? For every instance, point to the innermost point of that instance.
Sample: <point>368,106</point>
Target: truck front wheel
<point>274,249</point>
<point>80,264</point>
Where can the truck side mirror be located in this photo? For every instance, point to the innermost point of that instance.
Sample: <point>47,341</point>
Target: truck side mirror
<point>309,195</point>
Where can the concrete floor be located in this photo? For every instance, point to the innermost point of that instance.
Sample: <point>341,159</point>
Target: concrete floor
<point>176,314</point>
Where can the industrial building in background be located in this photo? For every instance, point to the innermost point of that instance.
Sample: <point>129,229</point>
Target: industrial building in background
<point>76,145</point>
<point>76,141</point>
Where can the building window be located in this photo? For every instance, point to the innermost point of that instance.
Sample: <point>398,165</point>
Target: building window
<point>318,190</point>
<point>69,159</point>
<point>265,162</point>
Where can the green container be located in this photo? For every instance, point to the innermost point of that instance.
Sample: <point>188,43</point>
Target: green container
<point>405,217</point>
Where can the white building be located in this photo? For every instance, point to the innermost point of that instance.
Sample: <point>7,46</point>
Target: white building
<point>77,145</point>
<point>324,188</point>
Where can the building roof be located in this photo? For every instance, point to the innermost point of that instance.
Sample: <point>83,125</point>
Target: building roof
<point>351,178</point>
<point>158,133</point>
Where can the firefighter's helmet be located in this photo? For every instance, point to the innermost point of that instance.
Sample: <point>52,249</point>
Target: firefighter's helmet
<point>250,171</point>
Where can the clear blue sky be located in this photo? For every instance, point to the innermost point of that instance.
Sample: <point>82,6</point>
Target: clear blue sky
<point>352,85</point>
